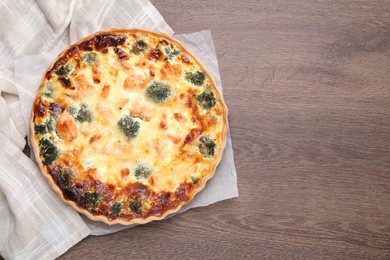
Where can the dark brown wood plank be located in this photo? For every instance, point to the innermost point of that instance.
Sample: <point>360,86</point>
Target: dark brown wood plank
<point>307,84</point>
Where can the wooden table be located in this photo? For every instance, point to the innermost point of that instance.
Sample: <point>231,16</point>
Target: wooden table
<point>307,84</point>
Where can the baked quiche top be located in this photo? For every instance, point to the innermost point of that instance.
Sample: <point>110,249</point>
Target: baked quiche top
<point>127,126</point>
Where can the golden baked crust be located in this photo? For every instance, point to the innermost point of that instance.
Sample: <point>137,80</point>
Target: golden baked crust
<point>127,126</point>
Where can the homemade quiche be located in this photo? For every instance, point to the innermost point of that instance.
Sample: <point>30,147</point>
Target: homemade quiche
<point>127,126</point>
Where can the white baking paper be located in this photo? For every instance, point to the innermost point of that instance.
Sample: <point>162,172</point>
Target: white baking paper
<point>224,183</point>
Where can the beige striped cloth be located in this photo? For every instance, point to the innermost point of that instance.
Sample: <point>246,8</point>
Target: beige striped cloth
<point>34,222</point>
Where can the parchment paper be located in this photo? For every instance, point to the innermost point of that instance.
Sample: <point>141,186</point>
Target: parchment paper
<point>224,183</point>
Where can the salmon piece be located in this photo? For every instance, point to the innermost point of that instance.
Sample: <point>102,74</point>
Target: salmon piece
<point>174,138</point>
<point>83,87</point>
<point>140,111</point>
<point>94,138</point>
<point>127,65</point>
<point>114,72</point>
<point>172,70</point>
<point>85,130</point>
<point>151,71</point>
<point>73,93</point>
<point>105,114</point>
<point>157,146</point>
<point>218,110</point>
<point>136,81</point>
<point>118,149</point>
<point>122,103</point>
<point>177,70</point>
<point>141,63</point>
<point>96,68</point>
<point>91,173</point>
<point>105,91</point>
<point>151,180</point>
<point>127,84</point>
<point>163,123</point>
<point>77,151</point>
<point>72,157</point>
<point>115,64</point>
<point>179,117</point>
<point>67,162</point>
<point>125,172</point>
<point>67,128</point>
<point>187,156</point>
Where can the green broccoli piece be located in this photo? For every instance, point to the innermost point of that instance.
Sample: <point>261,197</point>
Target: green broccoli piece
<point>142,171</point>
<point>129,126</point>
<point>158,91</point>
<point>138,47</point>
<point>171,54</point>
<point>116,209</point>
<point>84,114</point>
<point>89,57</point>
<point>48,151</point>
<point>51,123</point>
<point>47,127</point>
<point>206,146</point>
<point>62,176</point>
<point>67,175</point>
<point>49,90</point>
<point>90,200</point>
<point>135,206</point>
<point>195,180</point>
<point>206,99</point>
<point>40,129</point>
<point>73,111</point>
<point>64,70</point>
<point>196,78</point>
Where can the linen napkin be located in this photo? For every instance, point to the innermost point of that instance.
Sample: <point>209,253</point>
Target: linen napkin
<point>34,222</point>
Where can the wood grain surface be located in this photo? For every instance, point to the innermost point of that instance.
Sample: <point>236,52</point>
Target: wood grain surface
<point>307,84</point>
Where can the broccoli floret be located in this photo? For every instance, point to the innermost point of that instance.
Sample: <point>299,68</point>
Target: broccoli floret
<point>73,111</point>
<point>62,176</point>
<point>48,151</point>
<point>89,57</point>
<point>129,126</point>
<point>206,146</point>
<point>196,78</point>
<point>206,99</point>
<point>49,90</point>
<point>63,70</point>
<point>171,53</point>
<point>90,200</point>
<point>116,208</point>
<point>84,114</point>
<point>195,180</point>
<point>67,175</point>
<point>46,127</point>
<point>40,129</point>
<point>135,206</point>
<point>158,91</point>
<point>142,171</point>
<point>51,123</point>
<point>138,47</point>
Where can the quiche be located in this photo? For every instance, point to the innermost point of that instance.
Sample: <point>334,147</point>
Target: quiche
<point>127,126</point>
